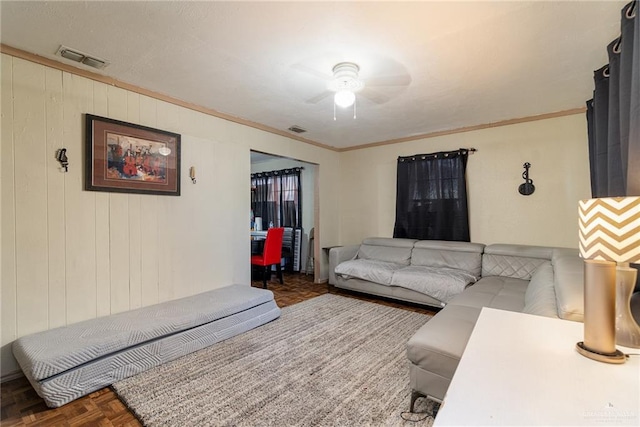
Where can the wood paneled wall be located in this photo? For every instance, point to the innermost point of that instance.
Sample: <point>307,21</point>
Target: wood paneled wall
<point>69,254</point>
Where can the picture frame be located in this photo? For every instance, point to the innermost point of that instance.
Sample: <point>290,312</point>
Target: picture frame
<point>124,157</point>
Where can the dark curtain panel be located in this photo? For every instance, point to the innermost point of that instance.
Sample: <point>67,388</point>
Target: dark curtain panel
<point>613,115</point>
<point>431,198</point>
<point>598,111</point>
<point>277,197</point>
<point>290,206</point>
<point>263,203</point>
<point>631,31</point>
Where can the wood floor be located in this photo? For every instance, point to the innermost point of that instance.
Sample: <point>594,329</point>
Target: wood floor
<point>21,406</point>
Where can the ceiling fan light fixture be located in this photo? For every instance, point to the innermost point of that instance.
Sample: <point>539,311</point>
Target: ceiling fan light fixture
<point>345,77</point>
<point>344,98</point>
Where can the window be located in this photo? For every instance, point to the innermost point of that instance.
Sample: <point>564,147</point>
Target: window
<point>431,199</point>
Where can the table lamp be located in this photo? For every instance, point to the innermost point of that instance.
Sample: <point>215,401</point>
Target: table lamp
<point>609,235</point>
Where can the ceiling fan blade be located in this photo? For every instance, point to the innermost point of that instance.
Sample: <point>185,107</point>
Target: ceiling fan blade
<point>374,96</point>
<point>308,70</point>
<point>319,97</point>
<point>400,80</point>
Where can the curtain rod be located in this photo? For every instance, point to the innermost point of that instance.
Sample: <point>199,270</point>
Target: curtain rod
<point>281,172</point>
<point>437,155</point>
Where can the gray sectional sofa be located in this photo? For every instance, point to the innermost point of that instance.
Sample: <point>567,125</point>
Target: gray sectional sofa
<point>542,281</point>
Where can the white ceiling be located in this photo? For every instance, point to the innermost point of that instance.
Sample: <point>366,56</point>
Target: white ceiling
<point>453,64</point>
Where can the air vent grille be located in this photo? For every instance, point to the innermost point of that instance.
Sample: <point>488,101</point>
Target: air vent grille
<point>77,56</point>
<point>297,129</point>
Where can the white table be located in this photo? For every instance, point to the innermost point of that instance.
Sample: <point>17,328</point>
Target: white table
<point>520,369</point>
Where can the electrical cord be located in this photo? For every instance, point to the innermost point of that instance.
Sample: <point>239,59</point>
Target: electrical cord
<point>409,416</point>
<point>425,415</point>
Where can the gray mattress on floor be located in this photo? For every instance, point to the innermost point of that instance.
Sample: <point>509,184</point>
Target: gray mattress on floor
<point>65,363</point>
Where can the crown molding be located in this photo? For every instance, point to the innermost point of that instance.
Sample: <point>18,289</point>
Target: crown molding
<point>18,53</point>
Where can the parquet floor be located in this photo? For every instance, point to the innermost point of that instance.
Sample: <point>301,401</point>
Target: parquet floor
<point>21,406</point>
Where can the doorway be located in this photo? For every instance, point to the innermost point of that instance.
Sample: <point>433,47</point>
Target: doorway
<point>266,162</point>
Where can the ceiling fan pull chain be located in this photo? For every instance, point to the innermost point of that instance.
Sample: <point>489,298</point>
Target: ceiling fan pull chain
<point>354,108</point>
<point>334,111</point>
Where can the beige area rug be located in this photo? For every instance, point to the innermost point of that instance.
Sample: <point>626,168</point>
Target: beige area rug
<point>328,361</point>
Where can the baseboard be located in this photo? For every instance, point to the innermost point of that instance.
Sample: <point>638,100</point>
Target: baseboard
<point>11,376</point>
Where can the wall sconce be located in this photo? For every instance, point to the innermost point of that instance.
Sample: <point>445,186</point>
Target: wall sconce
<point>61,156</point>
<point>527,188</point>
<point>192,174</point>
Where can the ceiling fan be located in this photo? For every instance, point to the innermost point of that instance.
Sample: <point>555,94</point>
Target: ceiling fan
<point>345,82</point>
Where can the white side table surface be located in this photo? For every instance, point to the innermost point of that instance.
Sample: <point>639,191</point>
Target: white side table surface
<point>521,369</point>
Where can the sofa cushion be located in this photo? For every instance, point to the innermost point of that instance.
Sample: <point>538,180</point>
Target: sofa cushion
<point>505,293</point>
<point>438,345</point>
<point>386,249</point>
<point>517,261</point>
<point>459,255</point>
<point>372,270</point>
<point>540,298</point>
<point>441,283</point>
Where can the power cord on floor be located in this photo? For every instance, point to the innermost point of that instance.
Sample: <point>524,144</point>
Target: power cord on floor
<point>409,416</point>
<point>425,415</point>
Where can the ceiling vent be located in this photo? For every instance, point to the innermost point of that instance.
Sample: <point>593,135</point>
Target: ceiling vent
<point>297,129</point>
<point>83,58</point>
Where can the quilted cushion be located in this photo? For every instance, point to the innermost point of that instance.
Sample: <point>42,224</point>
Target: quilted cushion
<point>517,261</point>
<point>510,266</point>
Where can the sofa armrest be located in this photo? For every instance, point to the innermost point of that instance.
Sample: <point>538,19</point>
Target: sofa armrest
<point>338,255</point>
<point>569,287</point>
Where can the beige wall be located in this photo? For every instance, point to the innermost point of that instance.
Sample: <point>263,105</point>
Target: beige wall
<point>556,149</point>
<point>70,255</point>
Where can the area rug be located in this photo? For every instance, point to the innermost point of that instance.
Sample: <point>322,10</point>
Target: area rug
<point>328,361</point>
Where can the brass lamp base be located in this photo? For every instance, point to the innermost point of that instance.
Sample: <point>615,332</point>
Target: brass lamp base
<point>617,357</point>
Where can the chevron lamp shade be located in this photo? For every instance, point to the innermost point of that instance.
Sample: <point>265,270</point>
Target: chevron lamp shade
<point>610,229</point>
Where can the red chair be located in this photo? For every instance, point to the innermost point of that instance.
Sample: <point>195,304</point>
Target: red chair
<point>271,255</point>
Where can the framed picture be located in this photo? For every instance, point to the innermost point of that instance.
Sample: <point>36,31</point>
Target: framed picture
<point>127,158</point>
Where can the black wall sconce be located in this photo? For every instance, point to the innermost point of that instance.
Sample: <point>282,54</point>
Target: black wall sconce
<point>527,188</point>
<point>61,156</point>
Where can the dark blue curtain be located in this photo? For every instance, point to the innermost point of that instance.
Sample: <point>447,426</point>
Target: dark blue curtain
<point>613,115</point>
<point>431,198</point>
